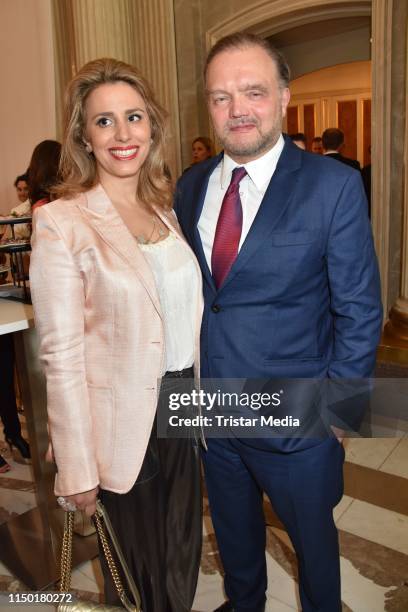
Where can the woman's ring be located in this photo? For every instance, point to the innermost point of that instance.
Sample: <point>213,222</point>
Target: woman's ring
<point>66,505</point>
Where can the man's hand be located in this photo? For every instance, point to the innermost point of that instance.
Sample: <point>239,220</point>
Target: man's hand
<point>84,501</point>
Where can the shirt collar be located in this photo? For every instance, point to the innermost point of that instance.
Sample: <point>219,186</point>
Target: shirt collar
<point>260,170</point>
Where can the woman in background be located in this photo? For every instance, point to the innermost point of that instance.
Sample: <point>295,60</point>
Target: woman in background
<point>21,185</point>
<point>202,149</point>
<point>8,406</point>
<point>117,300</point>
<point>43,172</point>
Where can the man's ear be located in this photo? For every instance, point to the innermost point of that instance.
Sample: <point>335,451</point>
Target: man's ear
<point>285,98</point>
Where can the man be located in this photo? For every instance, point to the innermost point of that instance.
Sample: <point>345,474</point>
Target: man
<point>317,145</point>
<point>299,140</point>
<point>333,142</point>
<point>291,290</point>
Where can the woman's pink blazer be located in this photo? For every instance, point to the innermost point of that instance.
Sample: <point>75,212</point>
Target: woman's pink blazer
<point>101,335</point>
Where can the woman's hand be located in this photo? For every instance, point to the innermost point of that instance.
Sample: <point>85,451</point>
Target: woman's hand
<point>84,501</point>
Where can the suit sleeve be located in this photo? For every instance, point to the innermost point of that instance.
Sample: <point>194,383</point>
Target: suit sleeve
<point>354,285</point>
<point>58,298</point>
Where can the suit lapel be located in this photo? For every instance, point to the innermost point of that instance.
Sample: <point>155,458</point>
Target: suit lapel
<point>273,206</point>
<point>102,215</point>
<point>199,197</point>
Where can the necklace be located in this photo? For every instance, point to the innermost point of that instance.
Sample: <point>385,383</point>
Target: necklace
<point>161,232</point>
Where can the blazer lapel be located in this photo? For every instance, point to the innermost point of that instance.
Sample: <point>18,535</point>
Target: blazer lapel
<point>103,216</point>
<point>273,206</point>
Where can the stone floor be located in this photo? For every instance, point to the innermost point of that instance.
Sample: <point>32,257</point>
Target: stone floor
<point>372,519</point>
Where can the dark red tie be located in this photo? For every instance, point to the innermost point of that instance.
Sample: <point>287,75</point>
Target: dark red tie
<point>228,230</point>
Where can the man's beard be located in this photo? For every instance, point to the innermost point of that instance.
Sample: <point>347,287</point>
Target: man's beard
<point>261,144</point>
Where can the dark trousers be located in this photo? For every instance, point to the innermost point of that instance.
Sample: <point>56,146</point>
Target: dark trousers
<point>303,488</point>
<point>8,407</point>
<point>158,522</point>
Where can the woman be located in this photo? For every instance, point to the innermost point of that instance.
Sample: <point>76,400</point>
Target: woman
<point>202,149</point>
<point>8,406</point>
<point>117,300</point>
<point>43,172</point>
<point>21,185</point>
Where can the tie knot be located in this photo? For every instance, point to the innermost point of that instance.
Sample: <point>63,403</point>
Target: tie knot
<point>237,175</point>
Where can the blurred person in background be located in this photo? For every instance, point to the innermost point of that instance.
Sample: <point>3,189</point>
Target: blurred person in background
<point>317,145</point>
<point>299,140</point>
<point>21,230</point>
<point>8,406</point>
<point>43,172</point>
<point>36,183</point>
<point>202,149</point>
<point>21,185</point>
<point>333,143</point>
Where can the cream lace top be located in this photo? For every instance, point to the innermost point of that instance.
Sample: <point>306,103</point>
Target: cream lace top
<point>177,284</point>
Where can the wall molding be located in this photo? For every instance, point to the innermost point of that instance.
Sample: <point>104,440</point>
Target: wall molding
<point>268,17</point>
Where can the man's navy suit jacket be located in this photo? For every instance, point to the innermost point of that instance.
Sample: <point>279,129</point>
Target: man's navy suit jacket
<point>302,299</point>
<point>354,163</point>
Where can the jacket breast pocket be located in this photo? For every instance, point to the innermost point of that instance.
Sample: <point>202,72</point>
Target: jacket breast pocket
<point>293,260</point>
<point>282,239</point>
<point>101,402</point>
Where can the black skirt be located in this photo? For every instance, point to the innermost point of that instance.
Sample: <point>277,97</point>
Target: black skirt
<point>158,522</point>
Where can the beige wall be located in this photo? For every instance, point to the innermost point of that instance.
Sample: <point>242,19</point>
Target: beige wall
<point>339,49</point>
<point>27,75</point>
<point>353,76</point>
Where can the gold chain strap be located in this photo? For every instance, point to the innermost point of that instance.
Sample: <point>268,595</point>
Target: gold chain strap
<point>108,556</point>
<point>66,552</point>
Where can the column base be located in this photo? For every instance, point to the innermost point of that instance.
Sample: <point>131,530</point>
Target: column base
<point>394,342</point>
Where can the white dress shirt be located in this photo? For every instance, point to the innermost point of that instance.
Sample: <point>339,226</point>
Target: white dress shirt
<point>177,285</point>
<point>252,190</point>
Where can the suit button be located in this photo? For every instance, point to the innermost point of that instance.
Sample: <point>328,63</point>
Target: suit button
<point>216,308</point>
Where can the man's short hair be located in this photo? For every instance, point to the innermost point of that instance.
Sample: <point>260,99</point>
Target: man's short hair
<point>300,137</point>
<point>242,40</point>
<point>332,139</point>
<point>317,139</point>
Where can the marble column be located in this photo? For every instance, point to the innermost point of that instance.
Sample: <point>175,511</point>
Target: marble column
<point>138,32</point>
<point>395,337</point>
<point>103,28</point>
<point>392,217</point>
<point>155,53</point>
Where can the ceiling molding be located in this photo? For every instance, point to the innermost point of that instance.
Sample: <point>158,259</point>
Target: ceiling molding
<point>267,17</point>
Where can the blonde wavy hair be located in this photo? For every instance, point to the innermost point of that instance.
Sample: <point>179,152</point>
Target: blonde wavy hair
<point>78,169</point>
